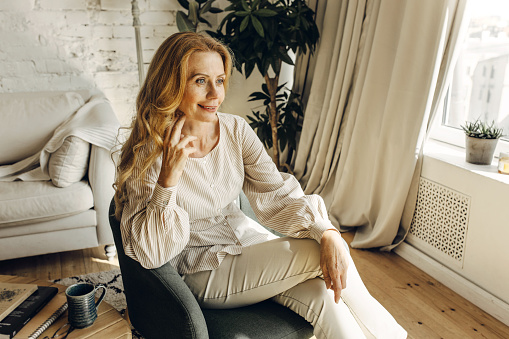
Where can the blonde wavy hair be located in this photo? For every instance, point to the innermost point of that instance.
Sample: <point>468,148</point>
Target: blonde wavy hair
<point>157,104</point>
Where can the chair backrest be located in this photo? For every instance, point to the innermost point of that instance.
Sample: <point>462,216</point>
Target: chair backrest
<point>160,303</point>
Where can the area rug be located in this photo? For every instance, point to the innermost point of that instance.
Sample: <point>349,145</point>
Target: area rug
<point>112,280</point>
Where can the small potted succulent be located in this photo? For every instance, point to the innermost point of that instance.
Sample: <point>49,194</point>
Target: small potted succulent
<point>481,139</point>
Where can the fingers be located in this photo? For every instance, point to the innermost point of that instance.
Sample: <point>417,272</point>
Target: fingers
<point>334,263</point>
<point>333,278</point>
<point>177,130</point>
<point>167,134</point>
<point>185,139</point>
<point>186,152</point>
<point>326,277</point>
<point>337,287</point>
<point>334,281</point>
<point>176,151</point>
<point>181,151</point>
<point>169,131</point>
<point>344,258</point>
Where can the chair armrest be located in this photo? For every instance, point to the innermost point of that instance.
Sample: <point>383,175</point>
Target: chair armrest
<point>160,303</point>
<point>101,175</point>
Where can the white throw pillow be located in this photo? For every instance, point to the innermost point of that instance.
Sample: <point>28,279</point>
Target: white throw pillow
<point>70,162</point>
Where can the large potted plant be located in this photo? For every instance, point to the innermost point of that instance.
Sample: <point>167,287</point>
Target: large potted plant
<point>481,139</point>
<point>290,111</point>
<point>261,33</point>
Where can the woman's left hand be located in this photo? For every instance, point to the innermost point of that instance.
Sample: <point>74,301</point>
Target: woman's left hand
<point>334,262</point>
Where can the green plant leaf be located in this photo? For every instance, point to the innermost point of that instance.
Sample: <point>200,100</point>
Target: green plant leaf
<point>283,140</point>
<point>205,21</point>
<point>226,19</point>
<point>241,13</point>
<point>265,12</point>
<point>215,10</point>
<point>248,68</point>
<point>184,3</point>
<point>230,8</point>
<point>265,66</point>
<point>285,57</point>
<point>244,23</point>
<point>258,96</point>
<point>193,12</point>
<point>482,130</point>
<point>206,7</point>
<point>245,6</point>
<point>183,23</point>
<point>276,66</point>
<point>257,25</point>
<point>265,89</point>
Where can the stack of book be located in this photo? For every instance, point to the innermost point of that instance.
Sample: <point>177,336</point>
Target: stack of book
<point>19,303</point>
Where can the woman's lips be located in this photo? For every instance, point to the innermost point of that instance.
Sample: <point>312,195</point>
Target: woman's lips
<point>208,108</point>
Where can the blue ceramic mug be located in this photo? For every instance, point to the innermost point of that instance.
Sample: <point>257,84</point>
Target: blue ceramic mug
<point>82,310</point>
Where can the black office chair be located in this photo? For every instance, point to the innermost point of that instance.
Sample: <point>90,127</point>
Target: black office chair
<point>161,305</point>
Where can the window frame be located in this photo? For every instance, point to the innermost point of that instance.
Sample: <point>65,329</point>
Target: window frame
<point>455,136</point>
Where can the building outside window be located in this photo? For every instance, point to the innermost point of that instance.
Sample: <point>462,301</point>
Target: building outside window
<point>480,84</point>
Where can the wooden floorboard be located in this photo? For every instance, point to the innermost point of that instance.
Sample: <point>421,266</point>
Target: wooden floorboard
<point>421,304</point>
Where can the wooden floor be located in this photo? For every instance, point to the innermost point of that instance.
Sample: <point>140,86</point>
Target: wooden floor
<point>423,306</point>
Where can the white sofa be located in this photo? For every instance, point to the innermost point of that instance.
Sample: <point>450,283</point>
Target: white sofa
<point>56,172</point>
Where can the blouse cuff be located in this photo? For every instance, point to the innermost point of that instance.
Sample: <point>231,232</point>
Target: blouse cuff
<point>319,227</point>
<point>164,197</point>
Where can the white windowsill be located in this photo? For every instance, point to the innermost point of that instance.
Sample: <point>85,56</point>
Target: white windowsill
<point>456,156</point>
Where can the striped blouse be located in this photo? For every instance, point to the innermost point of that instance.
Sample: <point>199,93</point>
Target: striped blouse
<point>196,223</point>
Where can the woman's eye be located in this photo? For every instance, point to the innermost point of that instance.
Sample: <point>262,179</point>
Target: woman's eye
<point>200,81</point>
<point>220,81</point>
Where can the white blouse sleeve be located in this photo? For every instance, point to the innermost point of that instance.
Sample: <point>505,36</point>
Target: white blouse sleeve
<point>154,228</point>
<point>277,198</point>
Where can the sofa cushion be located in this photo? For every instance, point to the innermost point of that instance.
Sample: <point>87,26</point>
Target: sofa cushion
<point>30,202</point>
<point>34,118</point>
<point>69,163</point>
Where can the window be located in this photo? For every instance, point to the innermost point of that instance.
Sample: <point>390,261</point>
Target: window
<point>480,83</point>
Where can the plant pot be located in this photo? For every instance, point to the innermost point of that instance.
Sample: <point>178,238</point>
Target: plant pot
<point>480,151</point>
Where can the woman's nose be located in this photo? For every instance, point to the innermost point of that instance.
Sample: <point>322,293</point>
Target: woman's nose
<point>212,92</point>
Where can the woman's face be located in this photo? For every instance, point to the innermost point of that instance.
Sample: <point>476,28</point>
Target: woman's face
<point>204,90</point>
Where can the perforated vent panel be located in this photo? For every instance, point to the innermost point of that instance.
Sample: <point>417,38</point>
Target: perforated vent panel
<point>441,219</point>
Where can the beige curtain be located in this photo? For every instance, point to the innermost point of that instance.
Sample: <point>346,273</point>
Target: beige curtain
<point>306,63</point>
<point>373,88</point>
<point>456,33</point>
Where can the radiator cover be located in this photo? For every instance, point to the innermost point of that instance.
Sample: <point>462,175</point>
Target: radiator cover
<point>440,222</point>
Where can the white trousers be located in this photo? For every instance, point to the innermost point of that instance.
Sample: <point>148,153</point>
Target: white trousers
<point>288,271</point>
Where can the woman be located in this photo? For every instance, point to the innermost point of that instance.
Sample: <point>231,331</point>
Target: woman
<point>180,172</point>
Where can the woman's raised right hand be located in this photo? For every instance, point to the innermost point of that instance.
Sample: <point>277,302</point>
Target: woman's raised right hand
<point>176,151</point>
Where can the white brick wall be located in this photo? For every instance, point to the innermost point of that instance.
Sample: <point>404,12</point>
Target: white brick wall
<point>77,44</point>
<point>18,5</point>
